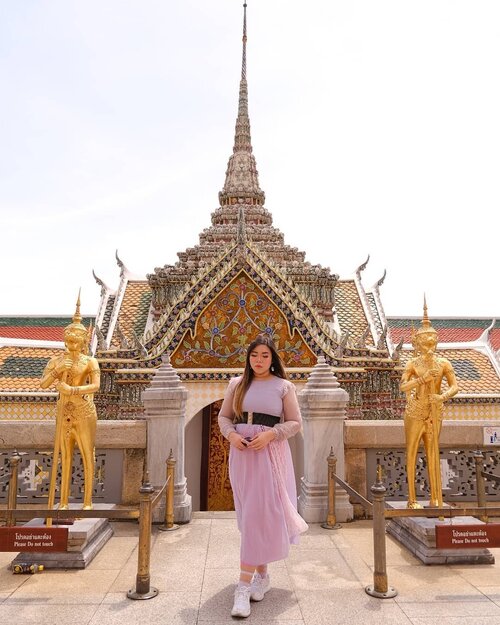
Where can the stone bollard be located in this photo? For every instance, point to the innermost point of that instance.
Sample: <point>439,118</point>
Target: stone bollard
<point>323,405</point>
<point>165,411</point>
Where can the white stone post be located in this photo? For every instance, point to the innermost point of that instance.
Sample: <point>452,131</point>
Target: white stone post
<point>323,406</point>
<point>165,411</point>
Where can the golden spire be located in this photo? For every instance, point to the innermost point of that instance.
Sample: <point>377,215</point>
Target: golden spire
<point>76,325</point>
<point>77,318</point>
<point>426,322</point>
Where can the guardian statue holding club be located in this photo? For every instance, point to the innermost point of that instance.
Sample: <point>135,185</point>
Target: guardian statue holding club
<point>77,377</point>
<point>421,381</point>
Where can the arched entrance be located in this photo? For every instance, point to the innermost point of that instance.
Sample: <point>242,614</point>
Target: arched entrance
<point>215,489</point>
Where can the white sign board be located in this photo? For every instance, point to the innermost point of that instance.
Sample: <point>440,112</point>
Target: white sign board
<point>491,435</point>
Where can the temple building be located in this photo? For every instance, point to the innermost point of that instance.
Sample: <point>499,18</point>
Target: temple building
<point>198,315</point>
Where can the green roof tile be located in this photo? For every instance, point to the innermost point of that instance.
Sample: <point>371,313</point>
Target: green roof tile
<point>442,323</point>
<point>48,322</point>
<point>22,367</point>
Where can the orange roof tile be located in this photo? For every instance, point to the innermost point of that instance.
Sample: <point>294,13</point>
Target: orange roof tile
<point>37,328</point>
<point>22,367</point>
<point>445,335</point>
<point>495,338</point>
<point>133,310</point>
<point>350,310</point>
<point>33,333</point>
<point>449,329</point>
<point>474,370</point>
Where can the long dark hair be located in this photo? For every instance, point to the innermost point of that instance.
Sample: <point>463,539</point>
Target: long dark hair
<point>277,369</point>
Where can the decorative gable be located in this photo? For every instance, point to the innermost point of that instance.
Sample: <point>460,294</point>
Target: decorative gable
<point>231,321</point>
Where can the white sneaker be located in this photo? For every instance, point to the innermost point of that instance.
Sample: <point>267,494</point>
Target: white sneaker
<point>241,605</point>
<point>260,585</point>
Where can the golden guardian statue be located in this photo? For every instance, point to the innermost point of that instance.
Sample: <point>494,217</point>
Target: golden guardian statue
<point>77,377</point>
<point>421,381</point>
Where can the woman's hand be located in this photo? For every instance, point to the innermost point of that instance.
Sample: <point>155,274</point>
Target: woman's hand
<point>261,440</point>
<point>237,441</point>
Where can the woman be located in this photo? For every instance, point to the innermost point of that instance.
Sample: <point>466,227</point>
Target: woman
<point>260,411</point>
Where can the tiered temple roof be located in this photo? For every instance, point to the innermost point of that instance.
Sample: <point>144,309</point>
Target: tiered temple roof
<point>242,217</point>
<point>239,280</point>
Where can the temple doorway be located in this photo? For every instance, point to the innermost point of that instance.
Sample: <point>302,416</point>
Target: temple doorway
<point>215,488</point>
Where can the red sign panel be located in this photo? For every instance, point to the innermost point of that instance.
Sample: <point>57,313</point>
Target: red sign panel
<point>37,539</point>
<point>468,536</point>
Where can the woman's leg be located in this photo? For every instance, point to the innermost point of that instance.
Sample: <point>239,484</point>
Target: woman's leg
<point>246,573</point>
<point>241,606</point>
<point>260,583</point>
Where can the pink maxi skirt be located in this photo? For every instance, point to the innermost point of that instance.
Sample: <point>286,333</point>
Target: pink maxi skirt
<point>265,499</point>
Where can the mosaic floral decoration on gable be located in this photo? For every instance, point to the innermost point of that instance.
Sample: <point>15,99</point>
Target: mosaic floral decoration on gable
<point>232,320</point>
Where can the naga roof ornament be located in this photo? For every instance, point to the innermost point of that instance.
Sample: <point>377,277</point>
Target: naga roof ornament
<point>101,283</point>
<point>120,264</point>
<point>362,267</point>
<point>381,281</point>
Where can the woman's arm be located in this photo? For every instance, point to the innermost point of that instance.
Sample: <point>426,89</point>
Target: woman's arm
<point>226,413</point>
<point>292,416</point>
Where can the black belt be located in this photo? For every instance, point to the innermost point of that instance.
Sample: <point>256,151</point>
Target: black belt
<point>258,418</point>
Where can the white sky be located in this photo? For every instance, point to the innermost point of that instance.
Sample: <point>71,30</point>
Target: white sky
<point>375,125</point>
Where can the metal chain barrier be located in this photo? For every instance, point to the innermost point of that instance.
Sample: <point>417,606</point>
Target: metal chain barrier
<point>149,499</point>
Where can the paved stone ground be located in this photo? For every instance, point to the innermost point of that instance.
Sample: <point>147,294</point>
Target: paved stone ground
<point>195,568</point>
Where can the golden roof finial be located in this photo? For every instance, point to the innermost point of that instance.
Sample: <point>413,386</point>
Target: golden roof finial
<point>77,318</point>
<point>76,325</point>
<point>426,322</point>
